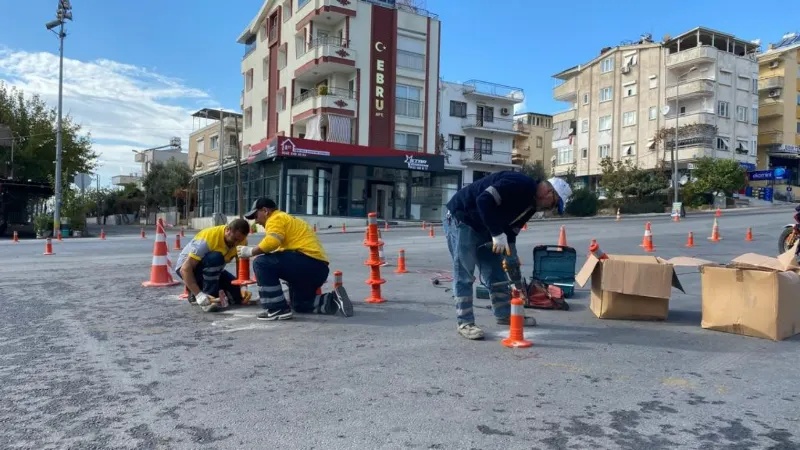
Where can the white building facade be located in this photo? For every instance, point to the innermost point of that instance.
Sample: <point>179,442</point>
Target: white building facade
<point>477,127</point>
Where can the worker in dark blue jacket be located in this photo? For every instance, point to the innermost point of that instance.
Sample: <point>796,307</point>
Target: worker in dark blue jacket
<point>493,210</point>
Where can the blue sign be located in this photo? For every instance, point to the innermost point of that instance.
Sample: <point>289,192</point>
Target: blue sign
<point>761,175</point>
<point>747,166</point>
<point>780,173</point>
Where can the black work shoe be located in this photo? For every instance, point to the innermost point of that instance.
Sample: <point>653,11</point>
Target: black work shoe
<point>275,314</point>
<point>192,299</point>
<point>342,301</point>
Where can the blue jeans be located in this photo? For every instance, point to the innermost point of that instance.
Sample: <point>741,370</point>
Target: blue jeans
<point>212,277</point>
<point>303,273</point>
<point>465,248</point>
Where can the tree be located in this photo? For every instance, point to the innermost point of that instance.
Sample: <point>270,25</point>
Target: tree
<point>164,182</point>
<point>628,180</point>
<point>33,125</point>
<point>712,175</point>
<point>534,170</point>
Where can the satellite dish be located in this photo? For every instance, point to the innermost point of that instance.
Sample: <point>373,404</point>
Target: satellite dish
<point>665,110</point>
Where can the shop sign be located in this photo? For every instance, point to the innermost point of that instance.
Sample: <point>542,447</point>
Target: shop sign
<point>417,163</point>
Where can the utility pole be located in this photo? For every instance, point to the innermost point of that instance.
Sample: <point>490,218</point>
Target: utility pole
<point>239,190</point>
<point>221,148</point>
<point>63,13</point>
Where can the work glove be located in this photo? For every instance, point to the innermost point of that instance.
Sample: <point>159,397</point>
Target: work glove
<point>204,299</point>
<point>500,244</point>
<point>244,252</point>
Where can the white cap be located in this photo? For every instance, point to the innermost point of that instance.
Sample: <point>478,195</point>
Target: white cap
<point>563,190</point>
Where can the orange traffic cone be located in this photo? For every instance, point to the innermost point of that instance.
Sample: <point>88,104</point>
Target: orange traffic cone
<point>516,335</point>
<point>16,237</point>
<point>48,247</point>
<point>185,294</point>
<point>242,273</point>
<point>344,228</point>
<point>562,237</point>
<point>102,234</point>
<point>595,250</point>
<point>143,235</point>
<point>385,225</point>
<point>644,238</point>
<point>183,232</point>
<point>525,227</point>
<point>690,240</point>
<point>648,239</point>
<point>315,228</point>
<point>337,279</point>
<point>401,262</point>
<point>59,236</point>
<point>177,242</point>
<point>715,232</point>
<point>374,262</point>
<point>749,236</point>
<point>718,213</point>
<point>431,232</point>
<point>619,217</point>
<point>676,217</point>
<point>423,225</point>
<point>159,271</point>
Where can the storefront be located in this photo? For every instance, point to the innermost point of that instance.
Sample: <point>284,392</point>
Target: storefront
<point>317,178</point>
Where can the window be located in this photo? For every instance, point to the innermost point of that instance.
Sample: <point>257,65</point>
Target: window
<point>754,115</point>
<point>725,78</point>
<point>564,156</point>
<point>653,113</point>
<point>584,153</point>
<point>409,60</point>
<point>742,146</point>
<point>458,109</point>
<point>214,143</point>
<point>741,113</point>
<point>798,127</point>
<point>602,151</point>
<point>457,142</point>
<point>755,83</point>
<point>722,109</point>
<point>408,102</point>
<point>264,109</point>
<point>483,145</point>
<point>280,101</point>
<point>282,58</point>
<point>628,150</point>
<point>629,90</point>
<point>798,99</point>
<point>607,65</point>
<point>743,83</point>
<point>265,68</point>
<point>586,99</point>
<point>753,145</point>
<point>653,81</point>
<point>722,144</point>
<point>605,123</point>
<point>301,3</point>
<point>351,89</point>
<point>201,146</point>
<point>629,118</point>
<point>287,9</point>
<point>585,126</point>
<point>406,141</point>
<point>539,142</point>
<point>248,80</point>
<point>682,111</point>
<point>248,117</point>
<point>605,94</point>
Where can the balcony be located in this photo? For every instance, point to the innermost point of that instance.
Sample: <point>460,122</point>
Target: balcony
<point>492,91</point>
<point>695,88</point>
<point>566,91</point>
<point>770,137</point>
<point>521,127</point>
<point>322,57</point>
<point>770,83</point>
<point>482,123</point>
<point>563,116</point>
<point>329,12</point>
<point>770,109</point>
<point>697,55</point>
<point>313,100</point>
<point>408,148</point>
<point>699,118</point>
<point>485,156</point>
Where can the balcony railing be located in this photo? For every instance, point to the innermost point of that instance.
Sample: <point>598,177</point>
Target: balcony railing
<point>696,54</point>
<point>322,42</point>
<point>487,89</point>
<point>770,108</point>
<point>770,137</point>
<point>323,92</point>
<point>566,90</point>
<point>404,7</point>
<point>249,47</point>
<point>770,83</point>
<point>521,127</point>
<point>701,117</point>
<point>486,155</point>
<point>699,86</point>
<point>489,123</point>
<point>409,148</point>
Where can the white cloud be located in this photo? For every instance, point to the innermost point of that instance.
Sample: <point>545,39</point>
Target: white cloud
<point>124,107</point>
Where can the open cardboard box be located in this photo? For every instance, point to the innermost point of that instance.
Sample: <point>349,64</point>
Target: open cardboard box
<point>753,295</point>
<point>629,287</point>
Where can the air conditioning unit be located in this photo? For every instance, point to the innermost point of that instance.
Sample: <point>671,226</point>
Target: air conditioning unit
<point>774,92</point>
<point>504,111</point>
<point>625,69</point>
<point>774,64</point>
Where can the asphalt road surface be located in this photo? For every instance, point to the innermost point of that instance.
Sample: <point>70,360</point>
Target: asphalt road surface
<point>91,359</point>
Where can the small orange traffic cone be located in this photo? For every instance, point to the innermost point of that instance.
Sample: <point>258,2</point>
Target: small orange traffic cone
<point>185,294</point>
<point>749,236</point>
<point>431,232</point>
<point>385,225</point>
<point>337,279</point>
<point>48,247</point>
<point>177,242</point>
<point>715,237</point>
<point>315,228</point>
<point>690,240</point>
<point>59,236</point>
<point>525,227</point>
<point>648,239</point>
<point>242,273</point>
<point>143,235</point>
<point>644,238</point>
<point>562,237</point>
<point>718,213</point>
<point>102,234</point>
<point>159,272</point>
<point>16,237</point>
<point>676,217</point>
<point>401,262</point>
<point>619,217</point>
<point>423,225</point>
<point>183,231</point>
<point>516,335</point>
<point>344,228</point>
<point>595,250</point>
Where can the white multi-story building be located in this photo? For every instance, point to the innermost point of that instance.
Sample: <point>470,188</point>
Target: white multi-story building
<point>339,105</point>
<point>624,102</point>
<point>477,127</point>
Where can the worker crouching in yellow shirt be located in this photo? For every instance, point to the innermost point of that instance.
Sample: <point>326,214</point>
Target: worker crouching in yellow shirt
<point>291,252</point>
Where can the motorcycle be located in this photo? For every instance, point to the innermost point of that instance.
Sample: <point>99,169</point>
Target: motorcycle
<point>788,237</point>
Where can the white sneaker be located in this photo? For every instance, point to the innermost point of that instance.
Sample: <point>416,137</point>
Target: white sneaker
<point>470,331</point>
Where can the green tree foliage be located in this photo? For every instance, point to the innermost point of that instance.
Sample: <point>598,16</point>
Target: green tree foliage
<point>164,182</point>
<point>713,175</point>
<point>534,170</point>
<point>627,179</point>
<point>584,203</point>
<point>33,125</point>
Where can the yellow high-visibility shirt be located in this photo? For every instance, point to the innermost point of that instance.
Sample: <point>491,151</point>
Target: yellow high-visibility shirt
<point>285,232</point>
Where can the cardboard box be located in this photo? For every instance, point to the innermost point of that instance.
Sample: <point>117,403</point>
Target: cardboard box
<point>629,287</point>
<point>754,295</point>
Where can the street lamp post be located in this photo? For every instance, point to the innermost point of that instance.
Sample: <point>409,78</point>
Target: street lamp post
<point>63,13</point>
<point>675,147</point>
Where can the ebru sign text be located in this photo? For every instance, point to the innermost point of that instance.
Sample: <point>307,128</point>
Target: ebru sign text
<point>382,77</point>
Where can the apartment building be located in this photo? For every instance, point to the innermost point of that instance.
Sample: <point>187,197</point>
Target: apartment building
<point>340,107</point>
<point>148,157</point>
<point>626,102</point>
<point>534,141</point>
<point>779,107</point>
<point>477,127</point>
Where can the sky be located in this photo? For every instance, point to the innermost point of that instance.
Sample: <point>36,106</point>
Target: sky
<point>135,71</point>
